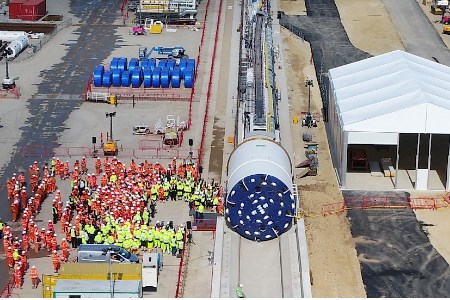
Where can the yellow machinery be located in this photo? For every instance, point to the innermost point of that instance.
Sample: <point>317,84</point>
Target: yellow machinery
<point>88,271</point>
<point>171,133</point>
<point>436,10</point>
<point>171,136</point>
<point>110,148</point>
<point>446,29</point>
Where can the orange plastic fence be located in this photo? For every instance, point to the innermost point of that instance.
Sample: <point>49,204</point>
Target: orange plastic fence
<point>164,152</point>
<point>385,202</point>
<point>333,208</point>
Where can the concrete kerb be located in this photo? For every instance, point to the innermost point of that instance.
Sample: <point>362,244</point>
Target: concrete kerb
<point>217,266</point>
<point>303,259</point>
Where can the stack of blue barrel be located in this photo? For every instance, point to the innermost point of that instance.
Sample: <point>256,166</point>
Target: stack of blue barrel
<point>149,72</point>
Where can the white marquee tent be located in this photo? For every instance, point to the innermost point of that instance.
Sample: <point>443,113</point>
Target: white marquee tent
<point>375,100</point>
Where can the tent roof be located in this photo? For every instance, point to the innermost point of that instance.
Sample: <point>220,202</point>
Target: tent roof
<point>393,92</point>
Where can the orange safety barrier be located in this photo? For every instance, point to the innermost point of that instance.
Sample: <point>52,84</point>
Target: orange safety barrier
<point>333,208</point>
<point>376,202</point>
<point>385,202</point>
<point>423,203</point>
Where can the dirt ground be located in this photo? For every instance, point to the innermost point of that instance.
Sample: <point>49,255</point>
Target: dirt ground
<point>335,268</point>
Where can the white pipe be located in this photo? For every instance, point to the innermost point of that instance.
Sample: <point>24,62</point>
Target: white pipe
<point>10,36</point>
<point>17,46</point>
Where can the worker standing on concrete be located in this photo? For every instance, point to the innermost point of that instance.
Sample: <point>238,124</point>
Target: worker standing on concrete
<point>24,261</point>
<point>173,245</point>
<point>34,276</point>
<point>239,291</point>
<point>73,237</point>
<point>10,257</point>
<point>55,261</point>
<point>17,278</point>
<point>65,252</point>
<point>180,246</point>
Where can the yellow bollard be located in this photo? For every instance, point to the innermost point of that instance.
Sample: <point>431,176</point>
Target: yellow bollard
<point>230,140</point>
<point>295,120</point>
<point>112,100</point>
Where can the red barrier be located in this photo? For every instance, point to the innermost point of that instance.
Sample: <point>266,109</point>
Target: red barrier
<point>150,144</point>
<point>164,152</point>
<point>204,224</point>
<point>211,77</point>
<point>423,203</point>
<point>7,291</point>
<point>179,290</point>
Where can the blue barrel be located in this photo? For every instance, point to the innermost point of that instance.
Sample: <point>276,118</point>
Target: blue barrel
<point>147,77</point>
<point>182,65</point>
<point>136,77</point>
<point>162,63</point>
<point>188,77</point>
<point>134,63</point>
<point>165,78</point>
<point>144,62</point>
<point>171,63</point>
<point>152,63</point>
<point>191,64</point>
<point>126,78</point>
<point>116,77</point>
<point>106,80</point>
<point>156,77</point>
<point>122,63</point>
<point>98,75</point>
<point>175,80</point>
<point>114,62</point>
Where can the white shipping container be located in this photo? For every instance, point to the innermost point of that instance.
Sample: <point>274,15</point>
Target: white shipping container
<point>68,288</point>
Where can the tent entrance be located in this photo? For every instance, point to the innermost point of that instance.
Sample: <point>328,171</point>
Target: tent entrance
<point>423,160</point>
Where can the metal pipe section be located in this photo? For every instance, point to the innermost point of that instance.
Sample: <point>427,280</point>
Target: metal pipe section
<point>17,46</point>
<point>260,204</point>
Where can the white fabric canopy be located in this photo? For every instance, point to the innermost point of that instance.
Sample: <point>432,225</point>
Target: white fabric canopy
<point>392,92</point>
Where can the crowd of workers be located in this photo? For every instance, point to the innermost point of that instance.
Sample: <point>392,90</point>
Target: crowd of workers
<point>115,204</point>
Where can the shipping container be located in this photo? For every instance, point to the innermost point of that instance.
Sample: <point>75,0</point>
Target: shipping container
<point>100,271</point>
<point>67,288</point>
<point>33,10</point>
<point>15,8</point>
<point>48,284</point>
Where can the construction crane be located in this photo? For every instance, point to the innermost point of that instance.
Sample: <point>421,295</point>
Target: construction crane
<point>171,52</point>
